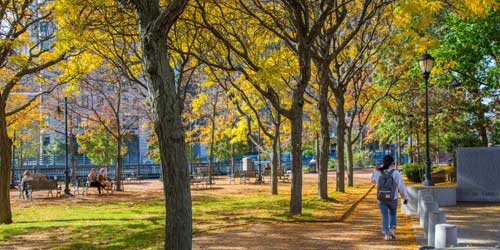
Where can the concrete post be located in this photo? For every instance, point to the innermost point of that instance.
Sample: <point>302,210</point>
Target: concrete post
<point>429,207</point>
<point>425,198</point>
<point>436,217</point>
<point>421,194</point>
<point>446,236</point>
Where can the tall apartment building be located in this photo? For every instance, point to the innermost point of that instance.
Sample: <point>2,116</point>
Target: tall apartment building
<point>50,106</point>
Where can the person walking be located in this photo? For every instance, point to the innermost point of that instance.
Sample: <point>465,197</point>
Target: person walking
<point>26,177</point>
<point>389,184</point>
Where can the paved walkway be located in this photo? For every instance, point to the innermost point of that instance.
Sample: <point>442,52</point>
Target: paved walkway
<point>478,224</point>
<point>360,231</point>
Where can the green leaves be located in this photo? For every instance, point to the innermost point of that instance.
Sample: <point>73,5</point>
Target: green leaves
<point>56,147</point>
<point>98,145</point>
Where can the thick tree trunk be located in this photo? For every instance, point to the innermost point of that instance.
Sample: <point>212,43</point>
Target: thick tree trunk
<point>296,189</point>
<point>350,159</point>
<point>274,163</point>
<point>339,108</point>
<point>168,123</point>
<point>5,169</point>
<point>295,116</point>
<point>119,166</point>
<point>324,137</point>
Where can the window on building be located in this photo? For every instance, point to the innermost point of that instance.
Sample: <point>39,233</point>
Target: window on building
<point>45,45</point>
<point>44,28</point>
<point>84,101</point>
<point>132,121</point>
<point>46,140</point>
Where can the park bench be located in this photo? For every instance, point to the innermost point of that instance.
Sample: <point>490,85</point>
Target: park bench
<point>134,179</point>
<point>246,175</point>
<point>232,177</point>
<point>38,182</point>
<point>283,175</point>
<point>199,181</point>
<point>80,186</point>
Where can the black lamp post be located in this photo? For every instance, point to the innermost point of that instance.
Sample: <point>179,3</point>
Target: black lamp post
<point>66,167</point>
<point>426,61</point>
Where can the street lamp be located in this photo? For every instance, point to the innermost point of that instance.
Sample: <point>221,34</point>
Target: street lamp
<point>66,167</point>
<point>426,61</point>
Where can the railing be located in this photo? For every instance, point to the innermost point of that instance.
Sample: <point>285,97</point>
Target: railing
<point>149,171</point>
<point>55,168</point>
<point>54,161</point>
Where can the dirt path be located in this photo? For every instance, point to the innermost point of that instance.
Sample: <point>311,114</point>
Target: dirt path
<point>360,231</point>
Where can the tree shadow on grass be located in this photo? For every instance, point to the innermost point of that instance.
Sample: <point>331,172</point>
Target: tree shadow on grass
<point>123,238</point>
<point>153,218</point>
<point>114,236</point>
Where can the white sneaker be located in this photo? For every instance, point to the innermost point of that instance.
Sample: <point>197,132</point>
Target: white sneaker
<point>392,233</point>
<point>387,237</point>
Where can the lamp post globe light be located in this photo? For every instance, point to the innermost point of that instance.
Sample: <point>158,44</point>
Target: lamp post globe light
<point>426,62</point>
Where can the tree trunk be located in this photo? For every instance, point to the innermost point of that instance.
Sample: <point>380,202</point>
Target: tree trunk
<point>119,165</point>
<point>419,159</point>
<point>295,116</point>
<point>296,189</point>
<point>233,160</point>
<point>481,123</point>
<point>339,108</point>
<point>280,153</point>
<point>398,150</point>
<point>274,163</point>
<point>5,169</point>
<point>324,137</point>
<point>212,140</point>
<point>350,158</point>
<point>211,153</point>
<point>168,123</point>
<point>411,154</point>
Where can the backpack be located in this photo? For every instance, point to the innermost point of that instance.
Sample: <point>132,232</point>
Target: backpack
<point>386,187</point>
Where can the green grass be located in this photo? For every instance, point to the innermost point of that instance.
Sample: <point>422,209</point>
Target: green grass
<point>140,225</point>
<point>124,225</point>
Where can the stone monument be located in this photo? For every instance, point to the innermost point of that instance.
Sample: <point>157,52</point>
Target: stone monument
<point>478,174</point>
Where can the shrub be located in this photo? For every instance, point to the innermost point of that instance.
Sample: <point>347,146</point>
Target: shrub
<point>414,172</point>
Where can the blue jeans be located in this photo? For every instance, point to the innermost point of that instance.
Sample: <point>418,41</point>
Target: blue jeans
<point>388,210</point>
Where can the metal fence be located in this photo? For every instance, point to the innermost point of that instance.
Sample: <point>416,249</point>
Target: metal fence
<point>54,167</point>
<point>58,161</point>
<point>150,171</point>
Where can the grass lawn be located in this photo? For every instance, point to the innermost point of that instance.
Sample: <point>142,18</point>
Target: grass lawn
<point>128,222</point>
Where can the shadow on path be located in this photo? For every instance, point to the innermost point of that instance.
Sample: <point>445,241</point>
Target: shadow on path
<point>360,231</point>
